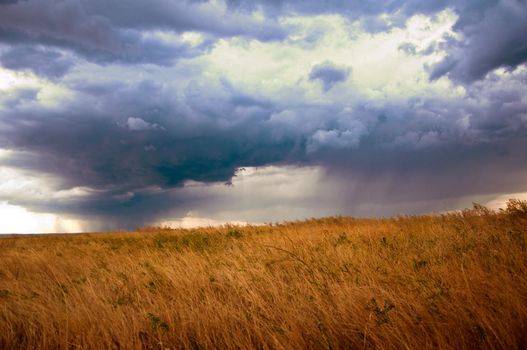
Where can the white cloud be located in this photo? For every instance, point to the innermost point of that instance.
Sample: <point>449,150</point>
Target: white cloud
<point>336,139</point>
<point>137,124</point>
<point>500,201</point>
<point>29,187</point>
<point>16,219</point>
<point>10,79</point>
<point>169,37</point>
<point>380,68</point>
<point>192,221</point>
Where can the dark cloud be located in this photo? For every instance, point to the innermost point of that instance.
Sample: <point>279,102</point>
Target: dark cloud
<point>493,39</point>
<point>366,11</point>
<point>134,145</point>
<point>65,25</point>
<point>105,32</point>
<point>40,60</point>
<point>204,139</point>
<point>491,32</point>
<point>329,74</point>
<point>180,16</point>
<point>59,22</point>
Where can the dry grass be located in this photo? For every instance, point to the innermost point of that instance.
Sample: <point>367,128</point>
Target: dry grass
<point>456,281</point>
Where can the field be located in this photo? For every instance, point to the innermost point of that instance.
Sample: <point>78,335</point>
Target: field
<point>452,281</point>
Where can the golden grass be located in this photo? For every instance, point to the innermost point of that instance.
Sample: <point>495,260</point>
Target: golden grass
<point>456,281</point>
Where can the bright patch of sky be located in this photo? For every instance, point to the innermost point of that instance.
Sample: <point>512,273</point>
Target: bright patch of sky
<point>380,68</point>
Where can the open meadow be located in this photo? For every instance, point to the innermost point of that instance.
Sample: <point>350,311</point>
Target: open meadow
<point>452,281</point>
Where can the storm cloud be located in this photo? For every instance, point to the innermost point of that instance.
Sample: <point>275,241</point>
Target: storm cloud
<point>106,32</point>
<point>329,74</point>
<point>492,38</point>
<point>132,114</point>
<point>42,61</point>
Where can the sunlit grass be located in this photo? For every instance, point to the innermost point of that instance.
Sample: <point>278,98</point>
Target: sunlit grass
<point>456,281</point>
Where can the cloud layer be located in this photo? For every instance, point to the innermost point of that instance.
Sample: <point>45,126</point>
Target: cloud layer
<point>141,112</point>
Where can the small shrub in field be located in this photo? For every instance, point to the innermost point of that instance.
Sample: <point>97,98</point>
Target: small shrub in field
<point>156,322</point>
<point>517,208</point>
<point>234,234</point>
<point>381,313</point>
<point>419,264</point>
<point>342,239</point>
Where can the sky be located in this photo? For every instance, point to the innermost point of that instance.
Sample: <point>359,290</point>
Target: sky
<point>121,114</point>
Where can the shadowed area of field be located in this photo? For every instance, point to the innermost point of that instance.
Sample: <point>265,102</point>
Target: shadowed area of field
<point>453,281</point>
